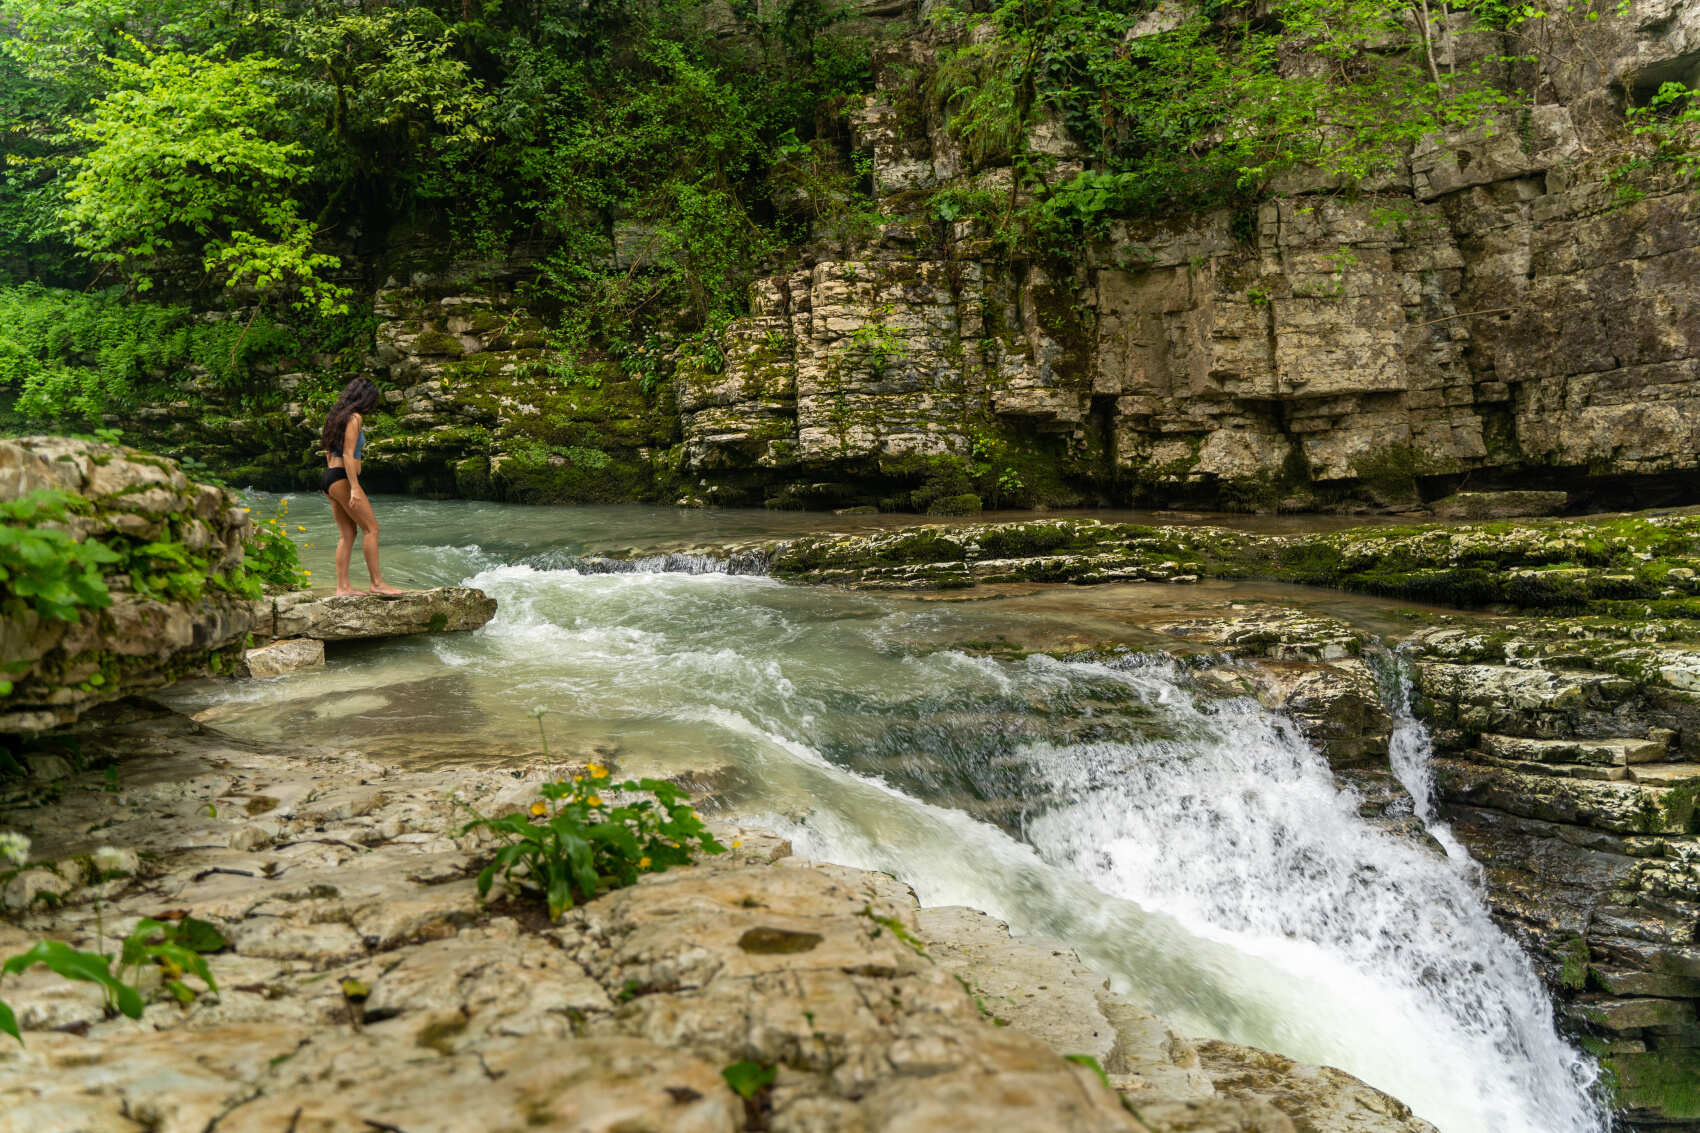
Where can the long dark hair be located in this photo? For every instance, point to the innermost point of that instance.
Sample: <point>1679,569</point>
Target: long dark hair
<point>359,396</point>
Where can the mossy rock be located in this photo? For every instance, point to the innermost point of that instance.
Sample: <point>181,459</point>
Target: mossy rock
<point>435,343</point>
<point>472,478</point>
<point>967,503</point>
<point>1661,1082</point>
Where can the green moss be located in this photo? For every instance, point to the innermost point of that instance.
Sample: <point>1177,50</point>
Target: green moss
<point>966,503</point>
<point>472,477</point>
<point>1573,961</point>
<point>435,342</point>
<point>1389,474</point>
<point>1665,1082</point>
<point>1679,807</point>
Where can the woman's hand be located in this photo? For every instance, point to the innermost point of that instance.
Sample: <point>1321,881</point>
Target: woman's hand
<point>356,496</point>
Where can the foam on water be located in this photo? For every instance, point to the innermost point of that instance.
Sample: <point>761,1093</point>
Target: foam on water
<point>1330,939</point>
<point>1196,851</point>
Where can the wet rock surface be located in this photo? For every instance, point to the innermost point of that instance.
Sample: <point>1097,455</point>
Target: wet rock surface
<point>351,617</point>
<point>57,669</point>
<point>365,986</point>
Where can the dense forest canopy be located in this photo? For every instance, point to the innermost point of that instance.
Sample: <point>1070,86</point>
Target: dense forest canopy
<point>166,157</point>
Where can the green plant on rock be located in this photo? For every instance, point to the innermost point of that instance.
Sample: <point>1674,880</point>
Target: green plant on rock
<point>878,344</point>
<point>175,947</point>
<point>272,557</point>
<point>1668,125</point>
<point>42,567</point>
<point>573,844</point>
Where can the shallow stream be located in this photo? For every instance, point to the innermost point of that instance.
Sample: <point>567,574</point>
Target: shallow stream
<point>1196,851</point>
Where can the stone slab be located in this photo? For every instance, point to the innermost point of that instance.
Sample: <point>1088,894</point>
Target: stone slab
<point>446,609</point>
<point>292,655</point>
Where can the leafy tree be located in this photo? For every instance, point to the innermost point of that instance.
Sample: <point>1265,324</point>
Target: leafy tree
<point>187,149</point>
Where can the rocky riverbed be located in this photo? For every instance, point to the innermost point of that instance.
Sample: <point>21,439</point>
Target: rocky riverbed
<point>365,984</point>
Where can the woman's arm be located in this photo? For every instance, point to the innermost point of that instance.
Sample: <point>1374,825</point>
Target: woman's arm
<point>350,439</point>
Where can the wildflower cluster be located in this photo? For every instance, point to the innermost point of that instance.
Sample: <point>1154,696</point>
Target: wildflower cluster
<point>272,556</point>
<point>574,843</point>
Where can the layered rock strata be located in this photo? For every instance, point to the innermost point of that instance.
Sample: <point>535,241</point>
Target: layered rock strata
<point>122,498</point>
<point>1511,306</point>
<point>365,984</point>
<point>1567,748</point>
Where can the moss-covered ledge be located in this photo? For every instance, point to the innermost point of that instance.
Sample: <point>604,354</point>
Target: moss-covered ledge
<point>1645,565</point>
<point>170,595</point>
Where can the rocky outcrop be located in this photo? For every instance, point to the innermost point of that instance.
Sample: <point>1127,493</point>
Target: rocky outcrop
<point>128,501</point>
<point>364,984</point>
<point>1505,308</point>
<point>1568,768</point>
<point>443,609</point>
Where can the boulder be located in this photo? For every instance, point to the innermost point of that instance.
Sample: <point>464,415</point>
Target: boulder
<point>57,669</point>
<point>446,609</point>
<point>288,656</point>
<point>1499,505</point>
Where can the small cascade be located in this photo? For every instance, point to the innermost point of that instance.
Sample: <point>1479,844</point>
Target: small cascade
<point>1410,750</point>
<point>672,562</point>
<point>1197,851</point>
<point>1235,827</point>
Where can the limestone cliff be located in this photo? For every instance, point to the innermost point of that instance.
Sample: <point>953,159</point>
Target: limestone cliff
<point>1505,309</point>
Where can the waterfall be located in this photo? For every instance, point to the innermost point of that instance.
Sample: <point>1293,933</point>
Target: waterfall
<point>1237,829</point>
<point>1197,851</point>
<point>673,562</point>
<point>1409,751</point>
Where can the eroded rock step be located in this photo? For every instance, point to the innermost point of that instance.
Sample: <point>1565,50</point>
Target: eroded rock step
<point>367,988</point>
<point>303,621</point>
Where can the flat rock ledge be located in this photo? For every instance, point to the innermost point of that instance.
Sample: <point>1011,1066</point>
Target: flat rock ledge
<point>366,987</point>
<point>445,609</point>
<point>302,621</point>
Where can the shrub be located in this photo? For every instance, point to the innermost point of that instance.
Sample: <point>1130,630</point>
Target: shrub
<point>573,844</point>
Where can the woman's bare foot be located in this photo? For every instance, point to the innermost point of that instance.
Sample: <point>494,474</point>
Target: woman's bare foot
<point>346,592</point>
<point>386,588</point>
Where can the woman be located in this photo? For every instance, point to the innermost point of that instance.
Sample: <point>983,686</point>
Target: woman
<point>344,434</point>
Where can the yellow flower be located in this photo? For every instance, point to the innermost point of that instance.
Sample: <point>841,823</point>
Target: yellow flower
<point>736,843</point>
<point>246,510</point>
<point>307,572</point>
<point>643,863</point>
<point>538,808</point>
<point>578,778</point>
<point>594,801</point>
<point>298,527</point>
<point>597,771</point>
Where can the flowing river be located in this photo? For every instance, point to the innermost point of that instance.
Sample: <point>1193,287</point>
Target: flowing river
<point>1195,850</point>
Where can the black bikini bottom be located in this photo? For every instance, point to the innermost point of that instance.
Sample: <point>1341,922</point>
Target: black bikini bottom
<point>331,476</point>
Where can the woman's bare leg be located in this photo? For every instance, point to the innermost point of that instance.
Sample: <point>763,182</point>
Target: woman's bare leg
<point>361,511</point>
<point>345,532</point>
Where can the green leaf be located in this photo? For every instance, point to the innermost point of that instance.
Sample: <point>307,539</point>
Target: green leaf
<point>9,1022</point>
<point>91,967</point>
<point>747,1078</point>
<point>1091,1064</point>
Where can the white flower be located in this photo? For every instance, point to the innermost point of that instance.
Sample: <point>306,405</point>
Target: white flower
<point>14,848</point>
<point>108,859</point>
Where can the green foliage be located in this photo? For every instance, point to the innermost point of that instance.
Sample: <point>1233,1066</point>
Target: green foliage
<point>42,567</point>
<point>187,143</point>
<point>272,557</point>
<point>1207,105</point>
<point>71,355</point>
<point>574,844</point>
<point>1668,126</point>
<point>748,1079</point>
<point>176,947</point>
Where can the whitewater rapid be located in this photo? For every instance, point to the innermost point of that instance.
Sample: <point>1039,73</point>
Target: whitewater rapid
<point>1196,851</point>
